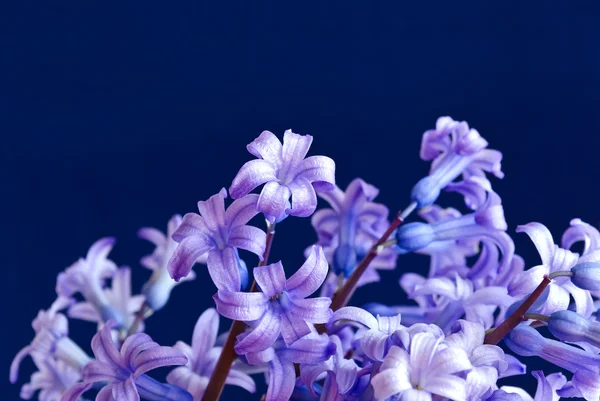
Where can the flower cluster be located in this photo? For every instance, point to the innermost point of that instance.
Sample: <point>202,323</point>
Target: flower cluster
<point>442,345</point>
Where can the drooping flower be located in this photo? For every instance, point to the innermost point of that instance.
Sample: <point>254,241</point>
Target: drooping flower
<point>87,277</point>
<point>202,358</point>
<point>124,369</point>
<point>158,288</point>
<point>119,299</point>
<point>220,233</point>
<point>554,259</point>
<point>428,368</point>
<point>52,379</point>
<point>281,306</point>
<point>51,341</point>
<point>352,225</point>
<point>286,172</point>
<point>454,149</point>
<point>280,359</point>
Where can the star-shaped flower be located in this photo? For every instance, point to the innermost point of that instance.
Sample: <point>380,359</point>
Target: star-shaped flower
<point>286,172</point>
<point>281,307</point>
<point>219,233</point>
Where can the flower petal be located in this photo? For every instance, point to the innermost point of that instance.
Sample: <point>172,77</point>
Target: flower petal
<point>192,224</point>
<point>262,337</point>
<point>186,254</point>
<point>250,238</point>
<point>213,210</point>
<point>125,391</point>
<point>97,371</point>
<point>223,267</point>
<point>270,279</point>
<point>542,239</point>
<point>74,392</point>
<point>153,235</point>
<point>244,306</point>
<point>282,379</point>
<point>310,276</point>
<point>273,199</point>
<point>318,170</point>
<point>104,348</point>
<point>314,310</point>
<point>252,174</point>
<point>266,147</point>
<point>241,379</point>
<point>293,328</point>
<point>295,148</point>
<point>447,386</point>
<point>135,344</point>
<point>205,333</point>
<point>105,394</point>
<point>157,357</point>
<point>241,211</point>
<point>389,382</point>
<point>304,198</point>
<point>354,314</point>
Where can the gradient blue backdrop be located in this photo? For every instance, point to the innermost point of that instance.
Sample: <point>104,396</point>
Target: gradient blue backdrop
<point>115,116</point>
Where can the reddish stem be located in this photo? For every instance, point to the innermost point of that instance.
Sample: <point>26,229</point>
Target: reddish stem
<point>341,298</point>
<point>517,316</point>
<point>217,380</point>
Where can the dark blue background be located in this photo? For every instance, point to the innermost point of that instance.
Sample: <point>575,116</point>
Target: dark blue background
<point>115,116</point>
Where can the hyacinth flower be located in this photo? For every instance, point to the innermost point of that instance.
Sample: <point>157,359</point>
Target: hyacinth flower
<point>341,375</point>
<point>427,368</point>
<point>282,305</point>
<point>585,366</point>
<point>87,277</point>
<point>280,359</point>
<point>52,379</point>
<point>51,342</point>
<point>285,172</point>
<point>124,370</point>
<point>454,149</point>
<point>202,357</point>
<point>158,288</point>
<point>454,297</point>
<point>119,299</point>
<point>381,332</point>
<point>219,232</point>
<point>486,222</point>
<point>554,259</point>
<point>352,225</point>
<point>547,387</point>
<point>489,362</point>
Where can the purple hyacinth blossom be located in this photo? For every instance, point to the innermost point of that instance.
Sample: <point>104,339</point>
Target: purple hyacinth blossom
<point>455,297</point>
<point>51,341</point>
<point>281,307</point>
<point>87,277</point>
<point>454,149</point>
<point>119,299</point>
<point>124,369</point>
<point>341,374</point>
<point>280,359</point>
<point>202,358</point>
<point>554,259</point>
<point>428,368</point>
<point>52,379</point>
<point>382,332</point>
<point>285,172</point>
<point>219,232</point>
<point>547,389</point>
<point>157,289</point>
<point>352,225</point>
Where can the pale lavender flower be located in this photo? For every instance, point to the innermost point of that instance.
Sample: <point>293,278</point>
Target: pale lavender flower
<point>428,368</point>
<point>454,150</point>
<point>280,358</point>
<point>124,369</point>
<point>547,388</point>
<point>202,357</point>
<point>87,277</point>
<point>52,379</point>
<point>157,289</point>
<point>286,172</point>
<point>352,225</point>
<point>454,297</point>
<point>281,307</point>
<point>119,299</point>
<point>51,341</point>
<point>554,259</point>
<point>220,233</point>
<point>381,334</point>
<point>489,362</point>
